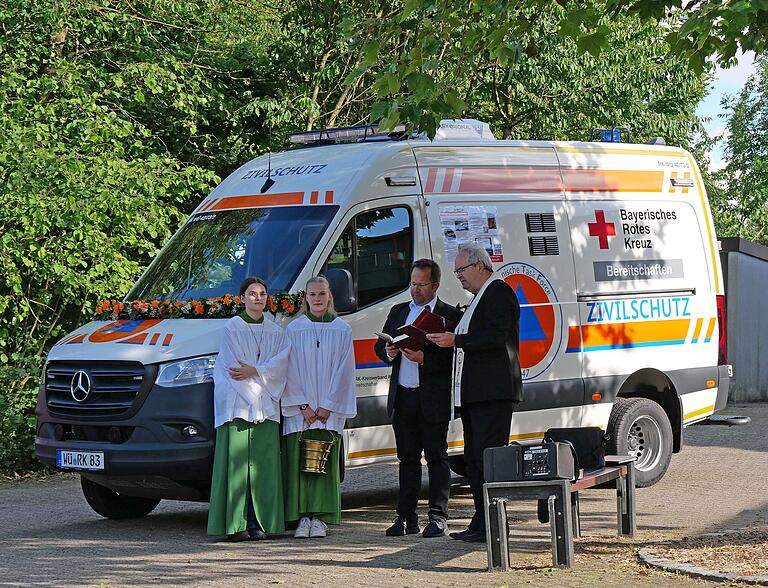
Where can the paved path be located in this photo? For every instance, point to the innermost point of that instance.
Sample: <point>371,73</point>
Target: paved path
<point>49,536</point>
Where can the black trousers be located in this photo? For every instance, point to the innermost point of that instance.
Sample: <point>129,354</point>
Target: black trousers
<point>414,434</point>
<point>486,424</point>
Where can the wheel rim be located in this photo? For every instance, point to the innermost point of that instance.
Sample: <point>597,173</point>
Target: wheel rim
<point>644,442</point>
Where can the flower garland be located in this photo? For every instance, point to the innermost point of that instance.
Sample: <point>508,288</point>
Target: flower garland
<point>226,306</point>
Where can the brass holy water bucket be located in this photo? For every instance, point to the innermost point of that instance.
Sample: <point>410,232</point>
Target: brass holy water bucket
<point>315,452</point>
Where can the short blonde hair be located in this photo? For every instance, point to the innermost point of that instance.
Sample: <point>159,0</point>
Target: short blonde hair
<point>318,280</point>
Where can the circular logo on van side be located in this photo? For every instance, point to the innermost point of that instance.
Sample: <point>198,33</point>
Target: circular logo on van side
<point>541,317</point>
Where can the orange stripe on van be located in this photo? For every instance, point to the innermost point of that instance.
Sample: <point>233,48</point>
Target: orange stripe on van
<point>431,177</point>
<point>710,329</point>
<point>313,197</point>
<point>259,200</point>
<point>530,179</point>
<point>365,356</point>
<point>601,337</point>
<point>329,196</point>
<point>591,180</point>
<point>448,179</point>
<point>697,330</point>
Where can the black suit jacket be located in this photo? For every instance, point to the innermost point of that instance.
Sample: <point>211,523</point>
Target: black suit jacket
<point>434,374</point>
<point>491,348</point>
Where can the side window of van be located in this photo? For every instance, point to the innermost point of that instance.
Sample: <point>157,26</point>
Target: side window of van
<point>376,248</point>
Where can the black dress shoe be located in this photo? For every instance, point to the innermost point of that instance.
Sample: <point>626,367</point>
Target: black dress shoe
<point>256,534</point>
<point>459,534</point>
<point>435,528</point>
<point>474,537</point>
<point>404,526</point>
<point>237,537</point>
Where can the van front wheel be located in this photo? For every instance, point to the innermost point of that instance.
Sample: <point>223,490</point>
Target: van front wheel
<point>639,427</point>
<point>112,505</point>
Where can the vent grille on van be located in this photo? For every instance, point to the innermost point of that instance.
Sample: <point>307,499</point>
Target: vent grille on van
<point>543,246</point>
<point>111,387</point>
<point>540,222</point>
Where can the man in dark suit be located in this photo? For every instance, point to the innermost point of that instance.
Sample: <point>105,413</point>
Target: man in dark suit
<point>487,379</point>
<point>419,403</point>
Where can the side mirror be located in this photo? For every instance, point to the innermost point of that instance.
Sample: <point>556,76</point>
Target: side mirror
<point>343,289</point>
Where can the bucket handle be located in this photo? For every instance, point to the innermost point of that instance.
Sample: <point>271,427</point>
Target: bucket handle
<point>332,440</point>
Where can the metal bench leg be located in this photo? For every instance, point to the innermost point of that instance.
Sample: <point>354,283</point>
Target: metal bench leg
<point>576,515</point>
<point>625,503</point>
<point>496,533</point>
<point>561,526</point>
<point>501,530</point>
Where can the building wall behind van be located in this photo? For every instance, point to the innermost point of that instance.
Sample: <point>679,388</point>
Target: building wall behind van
<point>745,270</point>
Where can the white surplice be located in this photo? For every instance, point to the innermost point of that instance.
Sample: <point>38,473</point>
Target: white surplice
<point>321,376</point>
<point>264,346</point>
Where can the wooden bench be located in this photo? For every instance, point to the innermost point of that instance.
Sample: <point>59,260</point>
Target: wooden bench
<point>562,498</point>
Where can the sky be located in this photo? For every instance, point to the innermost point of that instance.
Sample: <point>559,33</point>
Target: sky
<point>727,82</point>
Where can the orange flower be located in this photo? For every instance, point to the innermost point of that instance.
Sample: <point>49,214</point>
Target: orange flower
<point>155,303</point>
<point>199,309</point>
<point>272,307</point>
<point>284,304</point>
<point>178,304</point>
<point>291,309</point>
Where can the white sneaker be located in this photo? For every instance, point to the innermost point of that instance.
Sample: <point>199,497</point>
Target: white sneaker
<point>302,531</point>
<point>318,528</point>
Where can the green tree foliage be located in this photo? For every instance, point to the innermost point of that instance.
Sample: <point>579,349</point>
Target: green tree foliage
<point>531,68</point>
<point>706,29</point>
<point>114,118</point>
<point>740,193</point>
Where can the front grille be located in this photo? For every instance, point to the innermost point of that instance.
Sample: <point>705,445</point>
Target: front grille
<point>113,387</point>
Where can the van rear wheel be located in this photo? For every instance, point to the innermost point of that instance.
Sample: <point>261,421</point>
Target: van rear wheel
<point>639,427</point>
<point>112,505</point>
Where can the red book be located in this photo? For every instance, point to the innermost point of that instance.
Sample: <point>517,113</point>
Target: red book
<point>414,336</point>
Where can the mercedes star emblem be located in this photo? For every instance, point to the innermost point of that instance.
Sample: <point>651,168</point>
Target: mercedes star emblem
<point>80,386</point>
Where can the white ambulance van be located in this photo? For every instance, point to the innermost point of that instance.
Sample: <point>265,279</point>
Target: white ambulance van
<point>610,248</point>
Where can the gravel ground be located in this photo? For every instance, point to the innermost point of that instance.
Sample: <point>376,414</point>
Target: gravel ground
<point>49,536</point>
<point>742,552</point>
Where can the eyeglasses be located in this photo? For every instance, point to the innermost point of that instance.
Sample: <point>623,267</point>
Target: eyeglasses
<point>460,270</point>
<point>415,285</point>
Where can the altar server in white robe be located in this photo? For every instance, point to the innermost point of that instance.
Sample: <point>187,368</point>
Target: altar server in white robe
<point>249,380</point>
<point>318,399</point>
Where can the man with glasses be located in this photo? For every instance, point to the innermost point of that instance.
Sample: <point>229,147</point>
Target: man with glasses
<point>487,380</point>
<point>419,403</point>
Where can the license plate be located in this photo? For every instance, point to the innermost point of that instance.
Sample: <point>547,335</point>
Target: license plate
<point>80,460</point>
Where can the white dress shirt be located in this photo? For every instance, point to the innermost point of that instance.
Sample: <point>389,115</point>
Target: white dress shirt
<point>409,370</point>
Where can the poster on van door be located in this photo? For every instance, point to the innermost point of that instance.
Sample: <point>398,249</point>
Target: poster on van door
<point>470,224</point>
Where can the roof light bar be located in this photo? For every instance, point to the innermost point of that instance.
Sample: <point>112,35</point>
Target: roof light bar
<point>342,134</point>
<point>613,135</point>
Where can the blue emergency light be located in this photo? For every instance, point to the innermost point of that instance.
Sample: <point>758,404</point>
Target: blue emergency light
<point>613,135</point>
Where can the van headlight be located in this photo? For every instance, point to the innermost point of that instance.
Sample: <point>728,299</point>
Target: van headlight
<point>196,370</point>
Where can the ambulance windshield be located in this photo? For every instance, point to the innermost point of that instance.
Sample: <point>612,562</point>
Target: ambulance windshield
<point>214,252</point>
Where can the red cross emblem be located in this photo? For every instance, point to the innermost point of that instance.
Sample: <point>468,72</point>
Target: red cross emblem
<point>601,229</point>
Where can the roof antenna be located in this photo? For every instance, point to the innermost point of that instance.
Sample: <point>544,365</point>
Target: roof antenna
<point>269,181</point>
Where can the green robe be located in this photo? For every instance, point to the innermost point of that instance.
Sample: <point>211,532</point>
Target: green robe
<point>247,457</point>
<point>317,495</point>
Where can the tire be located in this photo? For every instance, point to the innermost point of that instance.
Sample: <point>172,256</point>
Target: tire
<point>112,505</point>
<point>457,464</point>
<point>639,427</point>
